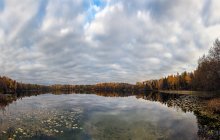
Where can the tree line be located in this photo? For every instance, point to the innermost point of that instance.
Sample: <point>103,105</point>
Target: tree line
<point>181,81</point>
<point>7,85</point>
<point>205,77</point>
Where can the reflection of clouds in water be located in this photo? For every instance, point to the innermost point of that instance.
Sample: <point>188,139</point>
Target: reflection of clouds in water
<point>184,125</point>
<point>151,115</point>
<point>130,109</point>
<point>148,111</point>
<point>44,114</point>
<point>93,101</point>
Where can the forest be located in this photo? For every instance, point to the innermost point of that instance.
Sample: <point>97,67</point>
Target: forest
<point>205,77</point>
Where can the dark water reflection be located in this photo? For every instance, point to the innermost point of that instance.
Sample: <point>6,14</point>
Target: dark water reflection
<point>150,115</point>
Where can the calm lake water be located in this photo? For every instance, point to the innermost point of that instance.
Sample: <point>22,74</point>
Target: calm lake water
<point>110,116</point>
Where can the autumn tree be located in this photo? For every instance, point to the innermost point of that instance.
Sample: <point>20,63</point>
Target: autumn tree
<point>207,74</point>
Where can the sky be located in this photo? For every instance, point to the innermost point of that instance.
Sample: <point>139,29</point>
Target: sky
<point>93,41</point>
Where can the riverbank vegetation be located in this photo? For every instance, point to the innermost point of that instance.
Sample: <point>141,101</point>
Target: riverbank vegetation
<point>205,77</point>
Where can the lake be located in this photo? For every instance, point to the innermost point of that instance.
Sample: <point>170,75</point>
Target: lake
<point>110,116</point>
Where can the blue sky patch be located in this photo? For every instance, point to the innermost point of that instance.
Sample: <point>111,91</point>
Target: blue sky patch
<point>92,11</point>
<point>1,5</point>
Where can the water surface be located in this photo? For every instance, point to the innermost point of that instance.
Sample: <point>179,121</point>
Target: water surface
<point>107,116</point>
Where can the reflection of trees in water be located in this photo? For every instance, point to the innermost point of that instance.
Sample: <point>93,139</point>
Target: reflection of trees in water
<point>208,126</point>
<point>6,99</point>
<point>159,97</point>
<point>205,108</point>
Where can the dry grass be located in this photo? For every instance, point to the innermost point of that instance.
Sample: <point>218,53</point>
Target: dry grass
<point>214,104</point>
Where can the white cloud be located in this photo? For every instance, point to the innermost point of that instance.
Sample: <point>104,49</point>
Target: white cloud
<point>124,41</point>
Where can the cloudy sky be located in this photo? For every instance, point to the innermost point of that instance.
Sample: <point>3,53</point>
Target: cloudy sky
<point>90,41</point>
